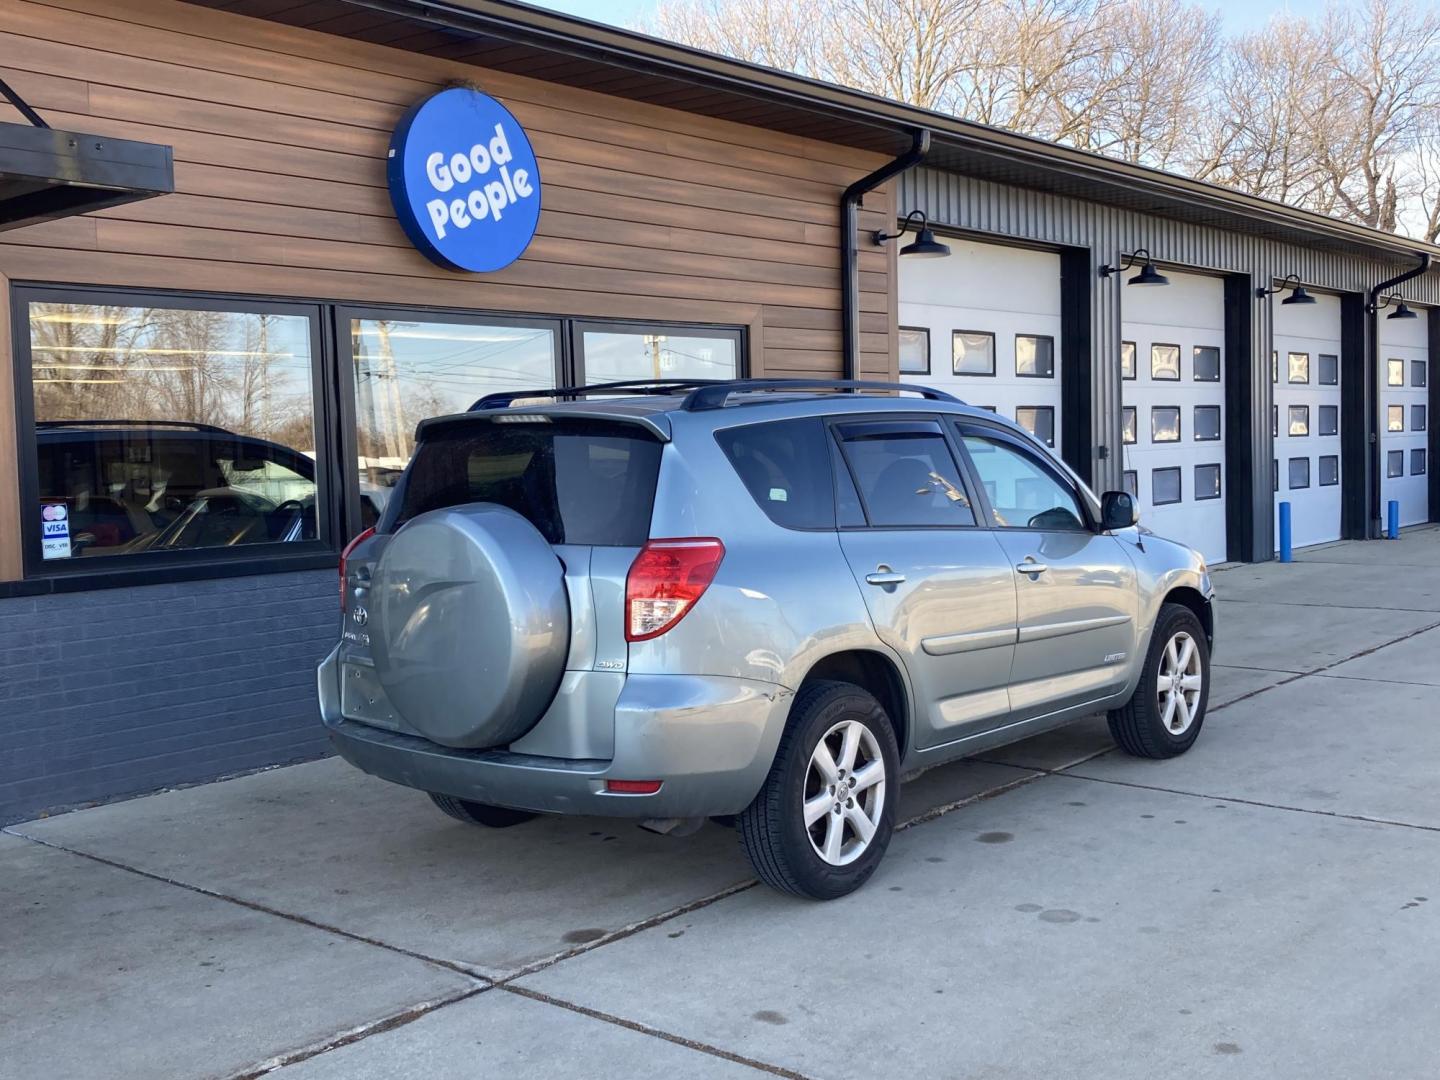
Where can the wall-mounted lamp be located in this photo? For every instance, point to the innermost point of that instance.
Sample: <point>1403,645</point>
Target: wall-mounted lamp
<point>1148,275</point>
<point>924,246</point>
<point>1298,295</point>
<point>1402,309</point>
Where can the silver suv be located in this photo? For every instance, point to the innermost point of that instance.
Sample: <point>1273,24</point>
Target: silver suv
<point>760,601</point>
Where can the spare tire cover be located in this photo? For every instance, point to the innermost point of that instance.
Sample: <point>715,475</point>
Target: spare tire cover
<point>469,624</point>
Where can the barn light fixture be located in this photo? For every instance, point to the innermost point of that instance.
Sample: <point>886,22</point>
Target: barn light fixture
<point>1148,275</point>
<point>1298,295</point>
<point>924,246</point>
<point>1402,309</point>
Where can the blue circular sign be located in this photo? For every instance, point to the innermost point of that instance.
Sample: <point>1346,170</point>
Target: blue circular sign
<point>464,181</point>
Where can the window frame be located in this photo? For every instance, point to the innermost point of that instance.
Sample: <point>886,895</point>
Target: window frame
<point>1180,475</point>
<point>1290,411</point>
<point>575,328</point>
<point>1320,379</point>
<point>1037,338</point>
<point>994,351</point>
<point>1134,361</point>
<point>146,566</point>
<point>1421,368</point>
<point>1195,351</point>
<point>1392,360</point>
<point>1179,363</point>
<point>1320,471</point>
<point>1219,481</point>
<point>1391,455</point>
<point>928,358</point>
<point>1390,410</point>
<point>1290,484</point>
<point>1419,412</point>
<point>1290,369</point>
<point>1179,425</point>
<point>1134,411</point>
<point>1420,454</point>
<point>1320,412</point>
<point>1195,435</point>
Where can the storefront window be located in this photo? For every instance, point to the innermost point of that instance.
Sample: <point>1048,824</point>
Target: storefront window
<point>170,428</point>
<point>406,370</point>
<point>616,355</point>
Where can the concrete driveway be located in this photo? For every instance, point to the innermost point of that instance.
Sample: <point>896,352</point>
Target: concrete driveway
<point>1267,905</point>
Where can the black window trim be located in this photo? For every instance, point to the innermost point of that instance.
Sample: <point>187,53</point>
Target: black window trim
<point>1390,407</point>
<point>1135,361</point>
<point>1195,435</point>
<point>1394,360</point>
<point>1419,453</point>
<point>1037,337</point>
<point>1179,425</point>
<point>1319,426</point>
<point>928,360</point>
<point>1179,472</point>
<point>576,327</point>
<point>836,421</point>
<point>1320,473</point>
<point>1219,363</point>
<point>1290,484</point>
<point>994,362</point>
<point>1319,381</point>
<point>1179,366</point>
<point>1420,412</point>
<point>1389,457</point>
<point>1288,409</point>
<point>1135,409</point>
<point>1290,380</point>
<point>1220,481</point>
<point>1043,409</point>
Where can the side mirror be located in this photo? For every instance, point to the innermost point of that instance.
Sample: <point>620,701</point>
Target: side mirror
<point>1118,510</point>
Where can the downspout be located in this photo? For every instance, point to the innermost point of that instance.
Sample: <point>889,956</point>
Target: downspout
<point>850,247</point>
<point>1372,375</point>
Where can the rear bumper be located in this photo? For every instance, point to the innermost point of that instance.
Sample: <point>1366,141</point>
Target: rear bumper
<point>709,740</point>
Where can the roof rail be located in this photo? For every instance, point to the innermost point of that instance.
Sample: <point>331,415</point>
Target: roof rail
<point>506,398</point>
<point>186,425</point>
<point>715,395</point>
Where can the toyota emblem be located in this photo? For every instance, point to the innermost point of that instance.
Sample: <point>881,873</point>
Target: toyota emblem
<point>360,616</point>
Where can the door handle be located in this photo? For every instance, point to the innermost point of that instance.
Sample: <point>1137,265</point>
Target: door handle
<point>884,576</point>
<point>1030,566</point>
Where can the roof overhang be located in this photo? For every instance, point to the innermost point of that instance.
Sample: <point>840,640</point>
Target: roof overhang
<point>543,44</point>
<point>47,174</point>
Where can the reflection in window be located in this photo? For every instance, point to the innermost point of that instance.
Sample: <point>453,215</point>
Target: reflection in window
<point>1329,474</point>
<point>1329,419</point>
<point>1299,472</point>
<point>163,429</point>
<point>1164,486</point>
<point>972,352</point>
<point>1165,423</point>
<point>1298,422</point>
<point>914,350</point>
<point>1207,482</point>
<point>1034,356</point>
<point>1127,360</point>
<point>1274,367</point>
<point>658,353</point>
<point>1417,418</point>
<point>1165,362</point>
<point>1395,464</point>
<point>1395,418</point>
<point>906,474</point>
<point>1206,362</point>
<point>1394,372</point>
<point>1299,365</point>
<point>1130,480</point>
<point>1274,421</point>
<point>1417,373</point>
<point>1039,420</point>
<point>1207,423</point>
<point>1417,462</point>
<point>1128,425</point>
<point>1023,492</point>
<point>1329,374</point>
<point>407,370</point>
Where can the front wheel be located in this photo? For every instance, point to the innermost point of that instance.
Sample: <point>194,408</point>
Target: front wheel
<point>1163,716</point>
<point>823,819</point>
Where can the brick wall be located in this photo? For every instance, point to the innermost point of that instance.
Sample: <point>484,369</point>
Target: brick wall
<point>123,691</point>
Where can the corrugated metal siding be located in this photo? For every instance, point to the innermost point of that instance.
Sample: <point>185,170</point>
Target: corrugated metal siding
<point>999,212</point>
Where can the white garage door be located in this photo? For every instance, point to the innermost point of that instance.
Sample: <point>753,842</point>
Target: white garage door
<point>1305,368</point>
<point>1173,397</point>
<point>1404,396</point>
<point>984,325</point>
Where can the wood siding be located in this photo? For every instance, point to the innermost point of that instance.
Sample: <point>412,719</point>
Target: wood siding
<point>280,137</point>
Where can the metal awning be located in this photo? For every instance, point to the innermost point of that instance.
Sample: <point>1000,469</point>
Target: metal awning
<point>47,174</point>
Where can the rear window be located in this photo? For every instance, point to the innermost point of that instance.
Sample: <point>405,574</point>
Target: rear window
<point>576,481</point>
<point>786,468</point>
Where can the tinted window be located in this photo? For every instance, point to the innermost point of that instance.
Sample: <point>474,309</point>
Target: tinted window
<point>1207,363</point>
<point>1329,369</point>
<point>906,474</point>
<point>1417,373</point>
<point>1207,422</point>
<point>1329,419</point>
<point>786,469</point>
<point>1023,491</point>
<point>1164,486</point>
<point>1417,462</point>
<point>1207,481</point>
<point>577,482</point>
<point>1417,417</point>
<point>1299,472</point>
<point>1035,356</point>
<point>1039,420</point>
<point>1395,463</point>
<point>1329,470</point>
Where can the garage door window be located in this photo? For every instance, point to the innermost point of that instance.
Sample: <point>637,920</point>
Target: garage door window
<point>972,353</point>
<point>1207,423</point>
<point>1299,473</point>
<point>1417,372</point>
<point>1329,373</point>
<point>1394,372</point>
<point>1395,464</point>
<point>1274,421</point>
<point>1034,356</point>
<point>1417,462</point>
<point>1329,420</point>
<point>1039,420</point>
<point>1329,470</point>
<point>1299,367</point>
<point>1164,486</point>
<point>1417,417</point>
<point>1127,360</point>
<point>1128,425</point>
<point>1395,418</point>
<point>1165,423</point>
<point>1207,482</point>
<point>1274,367</point>
<point>1206,362</point>
<point>1130,480</point>
<point>1299,420</point>
<point>914,350</point>
<point>1165,362</point>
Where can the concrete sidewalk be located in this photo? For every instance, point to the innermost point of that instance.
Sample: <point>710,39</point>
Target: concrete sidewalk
<point>1267,905</point>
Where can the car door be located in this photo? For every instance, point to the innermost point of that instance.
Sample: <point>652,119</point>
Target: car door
<point>1076,600</point>
<point>938,586</point>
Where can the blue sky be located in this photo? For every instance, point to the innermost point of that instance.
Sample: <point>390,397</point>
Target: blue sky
<point>1240,15</point>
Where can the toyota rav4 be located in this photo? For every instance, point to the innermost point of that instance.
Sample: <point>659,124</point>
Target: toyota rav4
<point>758,601</point>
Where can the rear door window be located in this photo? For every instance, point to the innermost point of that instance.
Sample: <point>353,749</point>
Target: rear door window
<point>785,465</point>
<point>576,481</point>
<point>905,473</point>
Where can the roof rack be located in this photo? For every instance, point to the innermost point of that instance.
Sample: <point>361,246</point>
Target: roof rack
<point>625,386</point>
<point>185,425</point>
<point>715,395</point>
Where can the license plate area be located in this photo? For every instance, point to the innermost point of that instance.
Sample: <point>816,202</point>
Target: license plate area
<point>362,697</point>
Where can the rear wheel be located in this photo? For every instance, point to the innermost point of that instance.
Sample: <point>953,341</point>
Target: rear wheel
<point>823,819</point>
<point>476,813</point>
<point>1163,717</point>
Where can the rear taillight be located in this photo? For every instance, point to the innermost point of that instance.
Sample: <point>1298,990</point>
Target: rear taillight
<point>665,580</point>
<point>345,556</point>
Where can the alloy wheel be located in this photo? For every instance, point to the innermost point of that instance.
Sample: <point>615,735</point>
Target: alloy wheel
<point>1178,683</point>
<point>844,792</point>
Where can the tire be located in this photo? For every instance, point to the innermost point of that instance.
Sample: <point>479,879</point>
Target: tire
<point>477,813</point>
<point>787,854</point>
<point>1148,725</point>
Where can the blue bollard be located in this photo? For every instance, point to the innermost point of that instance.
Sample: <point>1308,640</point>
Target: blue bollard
<point>1392,529</point>
<point>1286,553</point>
